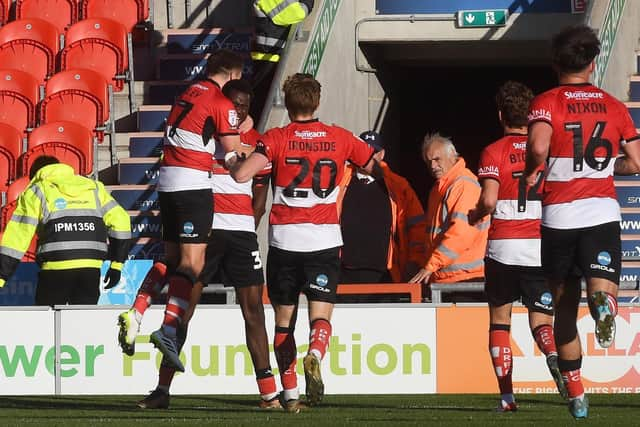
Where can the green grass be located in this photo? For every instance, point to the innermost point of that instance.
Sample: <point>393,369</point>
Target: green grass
<point>454,410</point>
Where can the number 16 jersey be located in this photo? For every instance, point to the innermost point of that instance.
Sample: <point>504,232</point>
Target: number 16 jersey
<point>308,160</point>
<point>589,126</point>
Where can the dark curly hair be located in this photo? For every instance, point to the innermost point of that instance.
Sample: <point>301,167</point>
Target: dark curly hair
<point>574,48</point>
<point>513,99</point>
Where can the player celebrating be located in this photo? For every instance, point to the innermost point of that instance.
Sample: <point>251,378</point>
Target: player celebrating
<point>308,159</point>
<point>512,263</point>
<point>201,118</point>
<point>579,130</point>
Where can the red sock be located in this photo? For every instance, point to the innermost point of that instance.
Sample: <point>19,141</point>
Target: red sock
<point>573,381</point>
<point>165,377</point>
<point>501,356</point>
<point>177,302</point>
<point>319,337</point>
<point>284,345</point>
<point>267,386</point>
<point>543,335</point>
<point>151,287</point>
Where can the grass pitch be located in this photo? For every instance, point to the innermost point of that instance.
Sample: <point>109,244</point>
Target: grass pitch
<point>335,410</point>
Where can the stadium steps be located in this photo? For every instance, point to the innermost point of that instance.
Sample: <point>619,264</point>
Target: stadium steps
<point>135,197</point>
<point>147,248</point>
<point>145,223</point>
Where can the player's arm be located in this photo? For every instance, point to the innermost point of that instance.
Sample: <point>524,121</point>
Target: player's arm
<point>487,200</point>
<point>260,188</point>
<point>538,144</point>
<point>241,169</point>
<point>629,163</point>
<point>230,142</point>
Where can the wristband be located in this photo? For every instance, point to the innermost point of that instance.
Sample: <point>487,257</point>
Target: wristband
<point>229,155</point>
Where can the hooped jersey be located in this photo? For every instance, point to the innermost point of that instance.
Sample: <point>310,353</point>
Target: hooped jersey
<point>232,206</point>
<point>514,235</point>
<point>589,127</point>
<point>200,115</point>
<point>308,160</point>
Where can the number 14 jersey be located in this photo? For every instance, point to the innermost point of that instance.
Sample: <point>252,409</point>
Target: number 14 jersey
<point>589,126</point>
<point>308,160</point>
<point>514,235</point>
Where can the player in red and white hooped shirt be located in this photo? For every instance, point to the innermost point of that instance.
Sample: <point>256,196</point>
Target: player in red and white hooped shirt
<point>579,130</point>
<point>512,264</point>
<point>201,118</point>
<point>308,159</point>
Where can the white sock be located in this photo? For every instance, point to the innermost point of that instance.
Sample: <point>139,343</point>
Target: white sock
<point>291,394</point>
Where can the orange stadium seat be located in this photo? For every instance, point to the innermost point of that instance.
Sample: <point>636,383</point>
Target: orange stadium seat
<point>14,191</point>
<point>61,13</point>
<point>5,5</point>
<point>30,45</point>
<point>78,95</point>
<point>19,96</point>
<point>69,142</point>
<point>127,12</point>
<point>98,44</point>
<point>10,150</point>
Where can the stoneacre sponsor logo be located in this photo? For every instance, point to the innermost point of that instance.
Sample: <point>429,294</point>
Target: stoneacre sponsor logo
<point>582,95</point>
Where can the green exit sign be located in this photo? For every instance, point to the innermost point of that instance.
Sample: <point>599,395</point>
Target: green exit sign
<point>482,18</point>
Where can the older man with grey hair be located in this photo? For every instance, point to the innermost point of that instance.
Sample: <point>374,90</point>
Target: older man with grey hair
<point>455,248</point>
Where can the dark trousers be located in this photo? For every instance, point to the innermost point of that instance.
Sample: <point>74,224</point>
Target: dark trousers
<point>73,286</point>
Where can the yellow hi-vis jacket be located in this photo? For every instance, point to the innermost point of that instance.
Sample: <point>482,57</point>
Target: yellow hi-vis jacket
<point>282,12</point>
<point>73,216</point>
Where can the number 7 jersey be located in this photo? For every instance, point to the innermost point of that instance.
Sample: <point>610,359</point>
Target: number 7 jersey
<point>308,160</point>
<point>589,126</point>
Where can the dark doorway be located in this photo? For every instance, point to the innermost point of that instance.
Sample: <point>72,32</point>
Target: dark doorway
<point>456,101</point>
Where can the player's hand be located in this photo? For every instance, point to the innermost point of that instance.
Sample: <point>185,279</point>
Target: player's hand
<point>474,216</point>
<point>112,278</point>
<point>2,283</point>
<point>422,276</point>
<point>532,178</point>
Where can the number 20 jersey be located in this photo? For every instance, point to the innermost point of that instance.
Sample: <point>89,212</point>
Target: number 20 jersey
<point>514,235</point>
<point>589,126</point>
<point>308,161</point>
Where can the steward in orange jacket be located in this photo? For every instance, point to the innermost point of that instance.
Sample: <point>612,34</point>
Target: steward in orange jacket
<point>455,249</point>
<point>407,233</point>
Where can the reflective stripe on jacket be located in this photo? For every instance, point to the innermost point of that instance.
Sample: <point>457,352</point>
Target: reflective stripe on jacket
<point>408,223</point>
<point>73,217</point>
<point>282,12</point>
<point>455,249</point>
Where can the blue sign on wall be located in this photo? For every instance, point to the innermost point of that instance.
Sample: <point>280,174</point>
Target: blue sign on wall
<point>409,7</point>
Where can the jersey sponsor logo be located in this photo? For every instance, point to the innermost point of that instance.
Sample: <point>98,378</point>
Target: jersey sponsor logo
<point>187,230</point>
<point>233,118</point>
<point>60,203</point>
<point>582,95</point>
<point>312,146</point>
<point>320,284</point>
<point>309,134</point>
<point>74,226</point>
<point>519,145</point>
<point>489,170</point>
<point>604,259</point>
<point>539,113</point>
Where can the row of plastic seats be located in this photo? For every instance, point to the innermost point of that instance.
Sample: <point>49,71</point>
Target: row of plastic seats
<point>64,13</point>
<point>77,95</point>
<point>69,142</point>
<point>98,44</point>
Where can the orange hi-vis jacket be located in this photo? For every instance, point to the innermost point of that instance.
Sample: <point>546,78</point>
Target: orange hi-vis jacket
<point>408,223</point>
<point>455,249</point>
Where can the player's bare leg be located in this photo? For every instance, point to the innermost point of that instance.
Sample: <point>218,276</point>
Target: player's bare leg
<point>566,301</point>
<point>250,300</point>
<point>284,345</point>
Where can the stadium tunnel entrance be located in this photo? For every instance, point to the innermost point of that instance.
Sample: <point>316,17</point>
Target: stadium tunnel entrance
<point>449,88</point>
